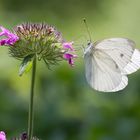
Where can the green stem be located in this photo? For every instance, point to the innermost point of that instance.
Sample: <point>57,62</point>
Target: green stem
<point>31,104</point>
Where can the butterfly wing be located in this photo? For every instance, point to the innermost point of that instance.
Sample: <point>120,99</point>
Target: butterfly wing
<point>134,64</point>
<point>120,50</point>
<point>102,72</point>
<point>122,85</point>
<point>111,60</point>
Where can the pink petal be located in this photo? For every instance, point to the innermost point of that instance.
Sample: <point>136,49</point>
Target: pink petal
<point>2,136</point>
<point>68,45</point>
<point>69,57</point>
<point>10,37</point>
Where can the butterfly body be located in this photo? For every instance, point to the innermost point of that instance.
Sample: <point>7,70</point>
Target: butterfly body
<point>108,62</point>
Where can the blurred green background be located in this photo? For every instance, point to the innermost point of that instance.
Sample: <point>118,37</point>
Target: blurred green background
<point>66,108</point>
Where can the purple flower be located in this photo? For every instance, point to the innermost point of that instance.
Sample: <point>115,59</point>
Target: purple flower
<point>69,50</point>
<point>70,58</point>
<point>68,45</point>
<point>9,39</point>
<point>2,135</point>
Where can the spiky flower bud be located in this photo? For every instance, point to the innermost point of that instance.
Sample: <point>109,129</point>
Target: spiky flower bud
<point>37,40</point>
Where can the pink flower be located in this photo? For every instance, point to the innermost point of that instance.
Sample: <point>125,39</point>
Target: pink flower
<point>69,56</point>
<point>68,45</point>
<point>9,39</point>
<point>2,135</point>
<point>29,39</point>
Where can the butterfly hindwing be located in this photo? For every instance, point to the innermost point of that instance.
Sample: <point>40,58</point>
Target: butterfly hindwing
<point>134,64</point>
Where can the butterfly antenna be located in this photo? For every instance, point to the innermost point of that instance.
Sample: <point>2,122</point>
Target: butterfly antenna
<point>84,20</point>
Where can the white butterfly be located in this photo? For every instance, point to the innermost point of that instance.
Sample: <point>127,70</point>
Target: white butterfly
<point>109,61</point>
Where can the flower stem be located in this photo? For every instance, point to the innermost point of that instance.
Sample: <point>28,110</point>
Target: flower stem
<point>31,103</point>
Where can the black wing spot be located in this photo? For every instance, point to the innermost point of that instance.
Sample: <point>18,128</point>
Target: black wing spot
<point>116,66</point>
<point>121,55</point>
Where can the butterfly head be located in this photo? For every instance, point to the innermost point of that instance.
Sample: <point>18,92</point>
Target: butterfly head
<point>89,48</point>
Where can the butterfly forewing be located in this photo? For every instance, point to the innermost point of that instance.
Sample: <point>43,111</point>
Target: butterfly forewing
<point>119,49</point>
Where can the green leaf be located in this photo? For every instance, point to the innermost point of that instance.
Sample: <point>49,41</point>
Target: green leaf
<point>26,65</point>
